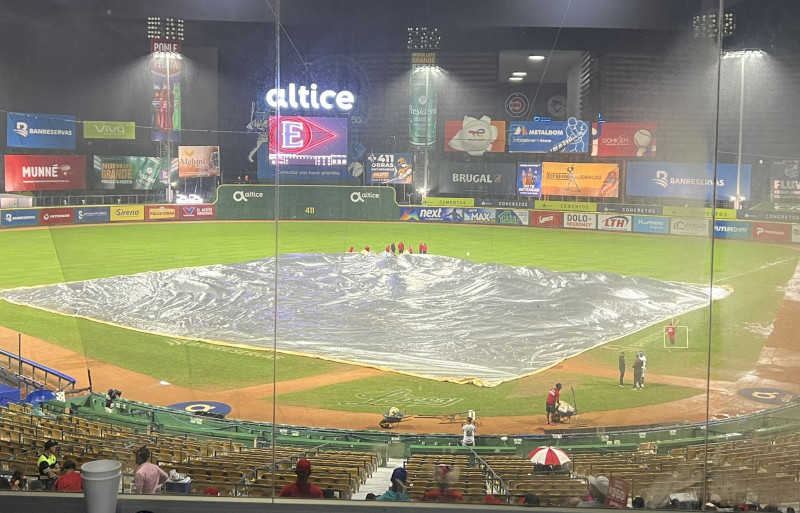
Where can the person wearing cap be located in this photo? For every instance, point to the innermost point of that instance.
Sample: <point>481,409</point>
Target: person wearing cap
<point>442,477</point>
<point>552,402</point>
<point>397,490</point>
<point>70,480</point>
<point>621,368</point>
<point>302,488</point>
<point>598,489</point>
<point>148,477</point>
<point>469,433</point>
<point>48,466</point>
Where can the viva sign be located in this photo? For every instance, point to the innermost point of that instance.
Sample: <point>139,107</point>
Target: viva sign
<point>302,97</point>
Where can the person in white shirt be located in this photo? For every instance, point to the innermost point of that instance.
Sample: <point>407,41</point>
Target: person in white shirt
<point>643,359</point>
<point>469,433</point>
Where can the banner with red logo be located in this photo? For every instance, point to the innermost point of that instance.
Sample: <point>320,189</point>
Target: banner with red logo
<point>624,139</point>
<point>772,232</point>
<point>161,213</point>
<point>49,216</point>
<point>546,219</point>
<point>475,136</point>
<point>197,212</point>
<point>45,172</point>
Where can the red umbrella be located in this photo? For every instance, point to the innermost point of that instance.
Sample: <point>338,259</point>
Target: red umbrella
<point>548,456</point>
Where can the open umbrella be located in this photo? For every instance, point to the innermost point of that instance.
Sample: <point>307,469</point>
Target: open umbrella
<point>548,456</point>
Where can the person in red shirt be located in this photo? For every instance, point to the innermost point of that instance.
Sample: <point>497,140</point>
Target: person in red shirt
<point>443,493</point>
<point>70,480</point>
<point>388,249</point>
<point>671,333</point>
<point>350,250</point>
<point>302,487</point>
<point>411,250</point>
<point>401,247</point>
<point>552,402</point>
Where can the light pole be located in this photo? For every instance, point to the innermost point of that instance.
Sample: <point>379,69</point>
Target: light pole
<point>743,56</point>
<point>423,42</point>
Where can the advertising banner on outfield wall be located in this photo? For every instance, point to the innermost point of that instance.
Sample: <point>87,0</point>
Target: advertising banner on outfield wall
<point>245,202</point>
<point>577,206</point>
<point>127,213</point>
<point>45,172</point>
<point>529,179</point>
<point>580,221</point>
<point>614,223</point>
<point>649,210</point>
<point>447,215</point>
<point>513,217</point>
<point>390,168</point>
<point>436,201</point>
<point>796,233</point>
<point>51,131</point>
<point>109,130</point>
<point>523,203</point>
<point>696,227</point>
<point>571,136</point>
<point>646,224</point>
<point>50,216</point>
<point>198,161</point>
<point>731,230</point>
<point>479,215</point>
<point>778,216</point>
<point>686,180</point>
<point>785,176</point>
<point>636,139</point>
<point>162,213</point>
<point>197,211</point>
<point>128,172</point>
<point>771,232</point>
<point>547,219</point>
<point>477,178</point>
<point>12,218</point>
<point>597,180</point>
<point>92,215</point>
<point>475,136</point>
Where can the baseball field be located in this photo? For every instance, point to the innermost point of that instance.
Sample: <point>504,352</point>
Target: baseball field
<point>728,339</point>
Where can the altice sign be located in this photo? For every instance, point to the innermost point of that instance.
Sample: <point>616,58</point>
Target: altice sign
<point>302,97</point>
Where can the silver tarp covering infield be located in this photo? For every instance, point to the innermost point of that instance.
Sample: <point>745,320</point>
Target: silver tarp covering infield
<point>427,315</point>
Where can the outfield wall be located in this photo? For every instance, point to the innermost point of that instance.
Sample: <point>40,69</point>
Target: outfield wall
<point>351,203</point>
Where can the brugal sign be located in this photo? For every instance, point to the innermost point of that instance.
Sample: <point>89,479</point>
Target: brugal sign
<point>302,97</point>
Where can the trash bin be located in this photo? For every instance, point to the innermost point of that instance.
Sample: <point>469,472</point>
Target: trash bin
<point>101,485</point>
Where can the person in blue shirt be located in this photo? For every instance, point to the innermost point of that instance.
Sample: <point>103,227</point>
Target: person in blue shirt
<point>397,491</point>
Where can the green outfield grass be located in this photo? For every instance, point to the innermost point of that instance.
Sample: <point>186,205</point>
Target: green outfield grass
<point>756,273</point>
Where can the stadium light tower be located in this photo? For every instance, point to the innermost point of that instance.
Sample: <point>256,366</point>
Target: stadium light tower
<point>165,37</point>
<point>423,43</point>
<point>744,57</point>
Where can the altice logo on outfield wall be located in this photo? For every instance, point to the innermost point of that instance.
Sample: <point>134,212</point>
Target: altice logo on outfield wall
<point>303,97</point>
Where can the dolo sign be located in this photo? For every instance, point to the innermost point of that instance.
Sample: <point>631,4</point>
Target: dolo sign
<point>302,97</point>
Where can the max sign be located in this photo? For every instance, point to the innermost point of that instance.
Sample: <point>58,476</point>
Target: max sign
<point>303,97</point>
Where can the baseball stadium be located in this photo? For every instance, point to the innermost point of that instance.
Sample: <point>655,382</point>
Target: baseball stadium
<point>524,253</point>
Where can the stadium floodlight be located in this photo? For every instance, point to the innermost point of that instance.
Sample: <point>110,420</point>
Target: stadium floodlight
<point>423,38</point>
<point>705,25</point>
<point>170,29</point>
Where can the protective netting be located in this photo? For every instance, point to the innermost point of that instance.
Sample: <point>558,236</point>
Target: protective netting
<point>426,315</point>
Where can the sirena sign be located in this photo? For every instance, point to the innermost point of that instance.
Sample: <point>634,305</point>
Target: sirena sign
<point>303,97</point>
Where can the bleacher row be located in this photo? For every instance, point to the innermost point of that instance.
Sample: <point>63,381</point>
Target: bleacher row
<point>229,467</point>
<point>763,471</point>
